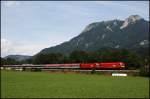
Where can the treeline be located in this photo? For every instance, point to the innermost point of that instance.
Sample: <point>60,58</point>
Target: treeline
<point>11,61</point>
<point>130,58</point>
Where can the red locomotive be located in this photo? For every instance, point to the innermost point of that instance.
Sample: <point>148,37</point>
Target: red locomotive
<point>101,65</point>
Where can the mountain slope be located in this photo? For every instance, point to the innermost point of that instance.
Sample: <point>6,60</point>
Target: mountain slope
<point>131,33</point>
<point>18,57</point>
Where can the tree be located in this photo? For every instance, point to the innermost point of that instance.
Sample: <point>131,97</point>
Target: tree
<point>3,61</point>
<point>79,57</point>
<point>48,58</point>
<point>9,61</point>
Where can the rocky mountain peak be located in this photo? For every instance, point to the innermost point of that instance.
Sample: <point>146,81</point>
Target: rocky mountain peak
<point>130,20</point>
<point>133,18</point>
<point>104,23</point>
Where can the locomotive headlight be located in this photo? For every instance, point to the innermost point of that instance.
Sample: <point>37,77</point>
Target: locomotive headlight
<point>122,65</point>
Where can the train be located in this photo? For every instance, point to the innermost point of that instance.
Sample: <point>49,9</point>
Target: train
<point>71,66</point>
<point>98,65</point>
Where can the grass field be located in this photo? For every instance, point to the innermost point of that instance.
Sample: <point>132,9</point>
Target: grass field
<point>59,85</point>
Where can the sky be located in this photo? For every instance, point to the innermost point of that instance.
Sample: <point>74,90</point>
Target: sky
<point>27,27</point>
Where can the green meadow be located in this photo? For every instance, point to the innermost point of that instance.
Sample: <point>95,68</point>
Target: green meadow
<point>15,84</point>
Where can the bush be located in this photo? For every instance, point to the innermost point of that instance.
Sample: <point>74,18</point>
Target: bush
<point>144,71</point>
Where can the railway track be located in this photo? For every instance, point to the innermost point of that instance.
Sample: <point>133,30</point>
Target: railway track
<point>75,69</point>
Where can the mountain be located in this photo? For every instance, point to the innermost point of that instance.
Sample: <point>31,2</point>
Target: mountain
<point>18,57</point>
<point>131,33</point>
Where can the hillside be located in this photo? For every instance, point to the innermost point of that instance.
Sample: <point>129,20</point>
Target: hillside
<point>18,57</point>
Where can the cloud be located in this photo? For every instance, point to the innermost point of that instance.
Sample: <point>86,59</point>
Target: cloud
<point>23,48</point>
<point>10,3</point>
<point>104,2</point>
<point>6,45</point>
<point>28,49</point>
